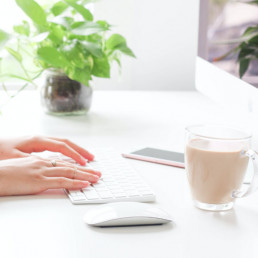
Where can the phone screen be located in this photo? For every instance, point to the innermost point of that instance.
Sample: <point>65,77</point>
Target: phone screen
<point>160,154</point>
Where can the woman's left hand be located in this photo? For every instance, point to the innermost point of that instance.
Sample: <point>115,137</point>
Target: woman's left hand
<point>24,146</point>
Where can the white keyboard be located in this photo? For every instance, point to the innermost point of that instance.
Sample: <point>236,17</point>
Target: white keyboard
<point>119,181</point>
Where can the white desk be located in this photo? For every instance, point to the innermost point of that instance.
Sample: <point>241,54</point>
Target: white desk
<point>48,225</point>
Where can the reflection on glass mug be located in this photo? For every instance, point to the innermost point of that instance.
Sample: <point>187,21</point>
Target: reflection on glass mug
<point>216,162</point>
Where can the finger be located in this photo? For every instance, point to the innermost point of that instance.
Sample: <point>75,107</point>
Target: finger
<point>61,163</point>
<point>42,144</point>
<point>89,156</point>
<point>61,182</point>
<point>20,154</point>
<point>71,173</point>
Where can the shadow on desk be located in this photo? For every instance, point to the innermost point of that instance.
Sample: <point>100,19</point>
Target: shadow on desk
<point>55,194</point>
<point>227,217</point>
<point>237,217</point>
<point>133,229</point>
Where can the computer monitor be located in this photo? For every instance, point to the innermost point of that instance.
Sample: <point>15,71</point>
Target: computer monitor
<point>222,87</point>
<point>225,89</point>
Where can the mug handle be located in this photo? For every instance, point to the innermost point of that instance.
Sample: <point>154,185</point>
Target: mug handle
<point>254,183</point>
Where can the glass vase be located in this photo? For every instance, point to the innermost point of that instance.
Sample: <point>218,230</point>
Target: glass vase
<point>62,96</point>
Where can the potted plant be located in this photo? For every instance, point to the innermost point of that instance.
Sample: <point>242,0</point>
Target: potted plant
<point>63,41</point>
<point>246,48</point>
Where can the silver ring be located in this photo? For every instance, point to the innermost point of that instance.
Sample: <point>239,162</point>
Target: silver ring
<point>53,162</point>
<point>74,172</point>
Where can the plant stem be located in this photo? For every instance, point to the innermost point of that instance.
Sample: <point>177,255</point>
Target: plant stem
<point>24,69</point>
<point>5,89</point>
<point>19,90</point>
<point>225,55</point>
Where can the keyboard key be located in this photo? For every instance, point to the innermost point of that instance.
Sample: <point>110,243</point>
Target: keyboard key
<point>80,193</point>
<point>112,184</point>
<point>107,178</point>
<point>115,189</point>
<point>105,194</point>
<point>132,193</point>
<point>90,194</point>
<point>119,194</point>
<point>73,193</point>
<point>79,198</point>
<point>140,185</point>
<point>126,185</point>
<point>100,184</point>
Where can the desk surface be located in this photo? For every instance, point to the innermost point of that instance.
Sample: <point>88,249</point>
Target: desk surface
<point>48,225</point>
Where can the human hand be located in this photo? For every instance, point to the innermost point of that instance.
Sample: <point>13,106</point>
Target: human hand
<point>33,175</point>
<point>24,146</point>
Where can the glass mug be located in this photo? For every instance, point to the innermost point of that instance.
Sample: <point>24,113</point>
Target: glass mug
<point>216,160</point>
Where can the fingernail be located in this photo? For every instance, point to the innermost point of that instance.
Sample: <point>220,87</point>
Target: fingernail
<point>91,157</point>
<point>94,178</point>
<point>85,184</point>
<point>83,161</point>
<point>98,173</point>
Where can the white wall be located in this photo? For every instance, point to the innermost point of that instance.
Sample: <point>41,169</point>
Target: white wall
<point>10,14</point>
<point>163,35</point>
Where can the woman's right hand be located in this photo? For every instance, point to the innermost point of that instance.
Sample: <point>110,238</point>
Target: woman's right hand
<point>32,175</point>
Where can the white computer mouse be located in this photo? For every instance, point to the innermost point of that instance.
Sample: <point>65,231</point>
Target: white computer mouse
<point>126,214</point>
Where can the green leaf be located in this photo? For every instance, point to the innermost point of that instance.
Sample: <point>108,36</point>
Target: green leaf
<point>86,28</point>
<point>118,61</point>
<point>252,2</point>
<point>115,40</point>
<point>250,30</point>
<point>104,24</point>
<point>40,37</point>
<point>254,40</point>
<point>243,66</point>
<point>74,54</point>
<point>23,29</point>
<point>93,48</point>
<point>15,54</point>
<point>78,74</point>
<point>58,8</point>
<point>84,2</point>
<point>244,52</point>
<point>53,57</point>
<point>33,10</point>
<point>115,56</point>
<point>118,42</point>
<point>126,50</point>
<point>85,13</point>
<point>66,22</point>
<point>56,34</point>
<point>101,67</point>
<point>94,38</point>
<point>4,37</point>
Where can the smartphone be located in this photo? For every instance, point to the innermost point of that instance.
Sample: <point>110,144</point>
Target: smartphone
<point>164,157</point>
